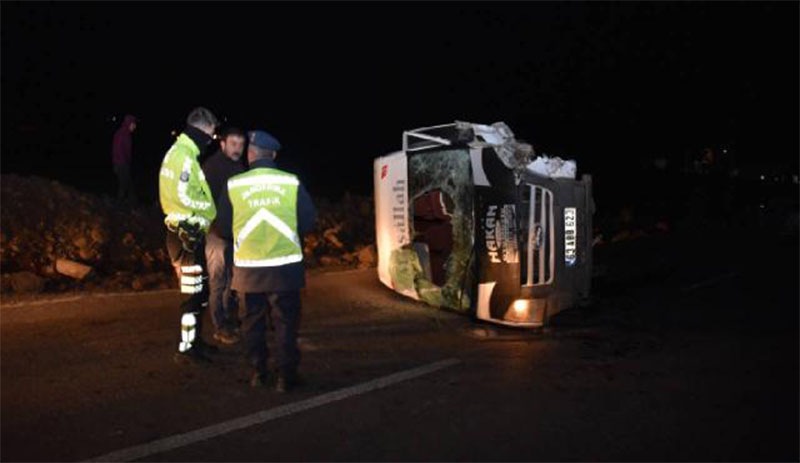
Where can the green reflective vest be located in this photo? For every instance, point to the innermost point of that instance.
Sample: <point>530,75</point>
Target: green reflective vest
<point>182,187</point>
<point>264,205</point>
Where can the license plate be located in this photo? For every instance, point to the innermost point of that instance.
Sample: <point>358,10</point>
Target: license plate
<point>570,236</point>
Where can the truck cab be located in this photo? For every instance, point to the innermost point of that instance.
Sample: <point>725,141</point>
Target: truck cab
<point>464,223</point>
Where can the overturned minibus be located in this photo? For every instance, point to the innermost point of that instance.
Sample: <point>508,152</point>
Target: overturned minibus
<point>463,222</point>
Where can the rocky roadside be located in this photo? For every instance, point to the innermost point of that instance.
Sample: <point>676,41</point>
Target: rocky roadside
<point>55,239</point>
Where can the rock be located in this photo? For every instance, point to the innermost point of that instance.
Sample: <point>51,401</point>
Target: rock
<point>72,269</point>
<point>150,280</point>
<point>80,242</point>
<point>311,243</point>
<point>366,257</point>
<point>327,261</point>
<point>48,269</point>
<point>86,254</point>
<point>137,284</point>
<point>98,235</point>
<point>330,237</point>
<point>162,256</point>
<point>25,282</point>
<point>147,260</point>
<point>128,239</point>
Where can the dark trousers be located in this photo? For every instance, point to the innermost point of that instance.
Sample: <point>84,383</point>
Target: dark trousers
<point>125,193</point>
<point>223,302</point>
<point>283,310</point>
<point>190,267</point>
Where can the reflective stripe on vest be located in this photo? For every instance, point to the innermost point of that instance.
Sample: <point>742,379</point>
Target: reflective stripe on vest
<point>265,218</point>
<point>274,262</point>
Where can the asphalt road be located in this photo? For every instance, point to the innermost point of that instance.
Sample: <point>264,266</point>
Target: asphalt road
<point>690,353</point>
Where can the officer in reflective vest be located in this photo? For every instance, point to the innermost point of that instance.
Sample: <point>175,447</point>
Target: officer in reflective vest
<point>189,208</point>
<point>271,211</point>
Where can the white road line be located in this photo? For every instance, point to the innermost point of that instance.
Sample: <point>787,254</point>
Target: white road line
<point>225,427</point>
<point>709,281</point>
<point>56,300</point>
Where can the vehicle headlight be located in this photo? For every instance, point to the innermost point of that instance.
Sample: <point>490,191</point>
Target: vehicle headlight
<point>529,311</point>
<point>521,308</point>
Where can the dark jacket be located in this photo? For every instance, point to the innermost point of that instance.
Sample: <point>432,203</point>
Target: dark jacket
<point>290,277</point>
<point>218,169</point>
<point>122,143</point>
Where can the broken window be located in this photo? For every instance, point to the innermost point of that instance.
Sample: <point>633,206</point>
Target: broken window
<point>441,192</point>
<point>433,233</point>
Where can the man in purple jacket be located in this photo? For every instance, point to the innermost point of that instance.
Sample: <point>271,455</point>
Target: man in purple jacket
<point>121,154</point>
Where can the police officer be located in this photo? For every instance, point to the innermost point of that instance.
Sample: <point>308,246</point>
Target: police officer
<point>271,211</point>
<point>189,208</point>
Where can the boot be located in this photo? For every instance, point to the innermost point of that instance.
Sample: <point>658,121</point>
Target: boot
<point>258,380</point>
<point>287,381</point>
<point>206,348</point>
<point>226,336</point>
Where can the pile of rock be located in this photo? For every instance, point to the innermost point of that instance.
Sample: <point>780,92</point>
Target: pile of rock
<point>55,238</point>
<point>344,235</point>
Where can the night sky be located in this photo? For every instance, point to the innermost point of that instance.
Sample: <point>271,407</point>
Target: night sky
<point>338,83</point>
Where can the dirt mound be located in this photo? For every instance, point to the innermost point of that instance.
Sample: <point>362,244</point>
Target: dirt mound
<point>53,230</point>
<point>55,238</point>
<point>344,235</point>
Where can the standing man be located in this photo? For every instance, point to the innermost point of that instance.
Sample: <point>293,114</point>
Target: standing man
<point>189,208</point>
<point>223,302</point>
<point>121,155</point>
<point>271,213</point>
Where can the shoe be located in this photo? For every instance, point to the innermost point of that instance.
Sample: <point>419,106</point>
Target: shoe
<point>283,385</point>
<point>206,347</point>
<point>287,382</point>
<point>226,337</point>
<point>258,380</point>
<point>191,357</point>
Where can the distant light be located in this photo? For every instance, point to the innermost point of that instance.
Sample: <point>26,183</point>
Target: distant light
<point>214,137</point>
<point>173,133</point>
<point>761,206</point>
<point>762,177</point>
<point>724,151</point>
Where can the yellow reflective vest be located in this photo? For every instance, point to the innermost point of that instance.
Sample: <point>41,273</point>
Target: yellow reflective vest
<point>264,203</point>
<point>182,187</point>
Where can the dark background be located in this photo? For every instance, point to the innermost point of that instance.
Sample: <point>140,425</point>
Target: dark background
<point>610,85</point>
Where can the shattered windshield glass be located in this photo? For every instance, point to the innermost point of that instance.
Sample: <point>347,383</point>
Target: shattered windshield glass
<point>448,172</point>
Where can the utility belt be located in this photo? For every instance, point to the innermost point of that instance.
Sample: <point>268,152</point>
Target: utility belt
<point>190,229</point>
<point>175,219</point>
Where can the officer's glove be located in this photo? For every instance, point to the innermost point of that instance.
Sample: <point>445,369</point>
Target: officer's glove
<point>190,235</point>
